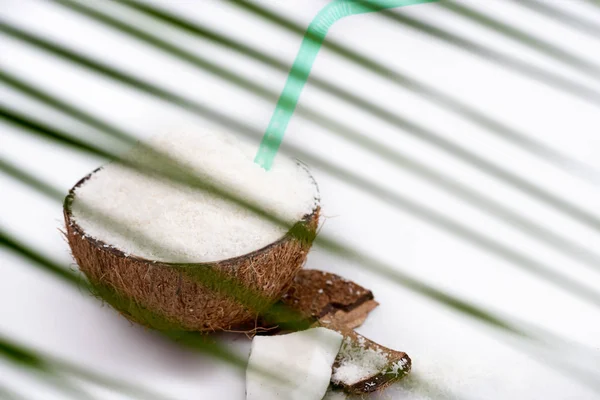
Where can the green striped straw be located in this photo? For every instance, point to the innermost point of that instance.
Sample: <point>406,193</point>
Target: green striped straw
<point>311,44</point>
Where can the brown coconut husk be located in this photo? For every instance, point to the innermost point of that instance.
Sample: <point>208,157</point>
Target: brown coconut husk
<point>148,291</point>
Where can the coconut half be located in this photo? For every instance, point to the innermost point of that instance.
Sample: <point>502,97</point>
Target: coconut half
<point>194,287</point>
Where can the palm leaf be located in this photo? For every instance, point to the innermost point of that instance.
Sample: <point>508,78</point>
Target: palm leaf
<point>49,368</point>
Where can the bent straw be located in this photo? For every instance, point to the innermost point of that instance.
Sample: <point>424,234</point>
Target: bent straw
<point>298,75</point>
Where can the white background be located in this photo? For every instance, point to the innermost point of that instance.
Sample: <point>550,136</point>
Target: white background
<point>453,357</point>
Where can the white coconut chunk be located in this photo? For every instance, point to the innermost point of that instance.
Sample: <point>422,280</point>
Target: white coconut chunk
<point>296,366</point>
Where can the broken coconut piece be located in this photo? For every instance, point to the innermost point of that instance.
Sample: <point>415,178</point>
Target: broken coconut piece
<point>293,366</point>
<point>318,295</point>
<point>363,366</point>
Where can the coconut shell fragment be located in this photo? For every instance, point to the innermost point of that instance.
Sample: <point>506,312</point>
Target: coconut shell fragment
<point>317,295</point>
<point>363,366</point>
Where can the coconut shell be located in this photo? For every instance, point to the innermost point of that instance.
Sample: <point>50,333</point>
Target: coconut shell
<point>398,363</point>
<point>173,297</point>
<point>318,295</point>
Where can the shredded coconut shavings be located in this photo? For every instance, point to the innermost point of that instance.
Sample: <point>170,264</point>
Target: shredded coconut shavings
<point>191,225</point>
<point>398,367</point>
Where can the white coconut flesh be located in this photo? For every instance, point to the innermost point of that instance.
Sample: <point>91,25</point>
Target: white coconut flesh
<point>192,225</point>
<point>296,366</point>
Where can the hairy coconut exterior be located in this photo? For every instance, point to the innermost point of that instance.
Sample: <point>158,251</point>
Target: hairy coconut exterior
<point>167,296</point>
